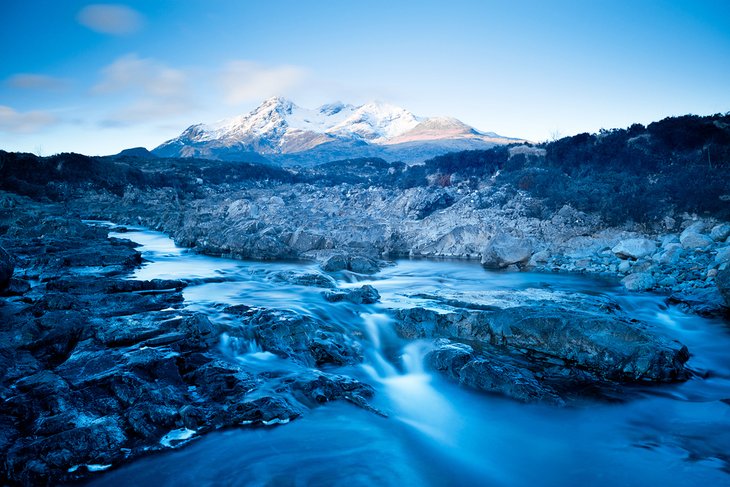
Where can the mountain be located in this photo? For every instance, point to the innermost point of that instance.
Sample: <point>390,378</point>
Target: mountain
<point>138,152</point>
<point>285,133</point>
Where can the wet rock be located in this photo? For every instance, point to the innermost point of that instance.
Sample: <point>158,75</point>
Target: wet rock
<point>634,248</point>
<point>6,269</point>
<point>310,279</point>
<point>702,301</point>
<point>504,250</point>
<point>334,263</point>
<point>303,339</point>
<point>609,347</point>
<point>355,263</point>
<point>366,294</point>
<point>722,281</point>
<point>17,287</point>
<point>363,265</point>
<point>639,281</point>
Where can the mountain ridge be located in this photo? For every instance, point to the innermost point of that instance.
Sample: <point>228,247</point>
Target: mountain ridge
<point>285,133</point>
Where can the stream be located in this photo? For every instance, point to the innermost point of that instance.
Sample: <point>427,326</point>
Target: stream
<point>437,433</point>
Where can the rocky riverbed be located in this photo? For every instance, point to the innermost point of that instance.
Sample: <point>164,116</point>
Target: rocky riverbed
<point>100,367</point>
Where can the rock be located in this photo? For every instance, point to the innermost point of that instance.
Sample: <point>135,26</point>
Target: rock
<point>6,269</point>
<point>671,255</point>
<point>723,255</point>
<point>692,239</point>
<point>366,294</point>
<point>640,281</point>
<point>362,265</point>
<point>459,362</point>
<point>609,347</point>
<point>355,263</point>
<point>334,263</point>
<point>310,279</point>
<point>634,248</point>
<point>504,250</point>
<point>720,233</point>
<point>722,281</point>
<point>702,301</point>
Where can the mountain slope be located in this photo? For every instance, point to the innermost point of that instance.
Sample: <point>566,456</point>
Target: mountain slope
<point>286,133</point>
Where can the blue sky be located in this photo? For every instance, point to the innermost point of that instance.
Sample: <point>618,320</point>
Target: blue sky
<point>97,78</point>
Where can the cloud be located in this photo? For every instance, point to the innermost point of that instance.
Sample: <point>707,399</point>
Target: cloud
<point>158,91</point>
<point>246,81</point>
<point>24,123</point>
<point>28,81</point>
<point>113,19</point>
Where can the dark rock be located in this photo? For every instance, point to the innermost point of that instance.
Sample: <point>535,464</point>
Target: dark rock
<point>363,265</point>
<point>334,263</point>
<point>7,266</point>
<point>609,347</point>
<point>722,281</point>
<point>364,295</point>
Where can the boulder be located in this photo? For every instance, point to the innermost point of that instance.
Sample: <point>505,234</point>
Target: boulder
<point>692,239</point>
<point>7,267</point>
<point>504,250</point>
<point>721,232</point>
<point>639,281</point>
<point>634,248</point>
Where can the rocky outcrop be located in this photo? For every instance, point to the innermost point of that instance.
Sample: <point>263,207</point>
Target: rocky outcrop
<point>97,369</point>
<point>504,250</point>
<point>541,348</point>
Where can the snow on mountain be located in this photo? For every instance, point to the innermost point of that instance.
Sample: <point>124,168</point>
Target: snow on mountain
<point>280,130</point>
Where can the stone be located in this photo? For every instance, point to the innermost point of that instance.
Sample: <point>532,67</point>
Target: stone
<point>634,248</point>
<point>504,250</point>
<point>639,281</point>
<point>692,239</point>
<point>671,255</point>
<point>723,255</point>
<point>721,232</point>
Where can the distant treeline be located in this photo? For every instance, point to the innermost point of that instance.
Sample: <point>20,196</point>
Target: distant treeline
<point>640,173</point>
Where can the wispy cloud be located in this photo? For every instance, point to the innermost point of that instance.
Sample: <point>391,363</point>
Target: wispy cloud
<point>24,122</point>
<point>27,81</point>
<point>246,81</point>
<point>158,90</point>
<point>113,19</point>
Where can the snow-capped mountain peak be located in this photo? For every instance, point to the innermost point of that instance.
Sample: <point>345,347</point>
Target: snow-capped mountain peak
<point>279,127</point>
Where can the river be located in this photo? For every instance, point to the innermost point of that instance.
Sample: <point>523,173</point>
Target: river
<point>437,433</point>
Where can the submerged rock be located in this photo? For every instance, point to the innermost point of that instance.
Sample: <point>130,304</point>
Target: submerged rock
<point>366,294</point>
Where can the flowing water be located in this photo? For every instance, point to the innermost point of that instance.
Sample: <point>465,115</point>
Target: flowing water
<point>436,433</point>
